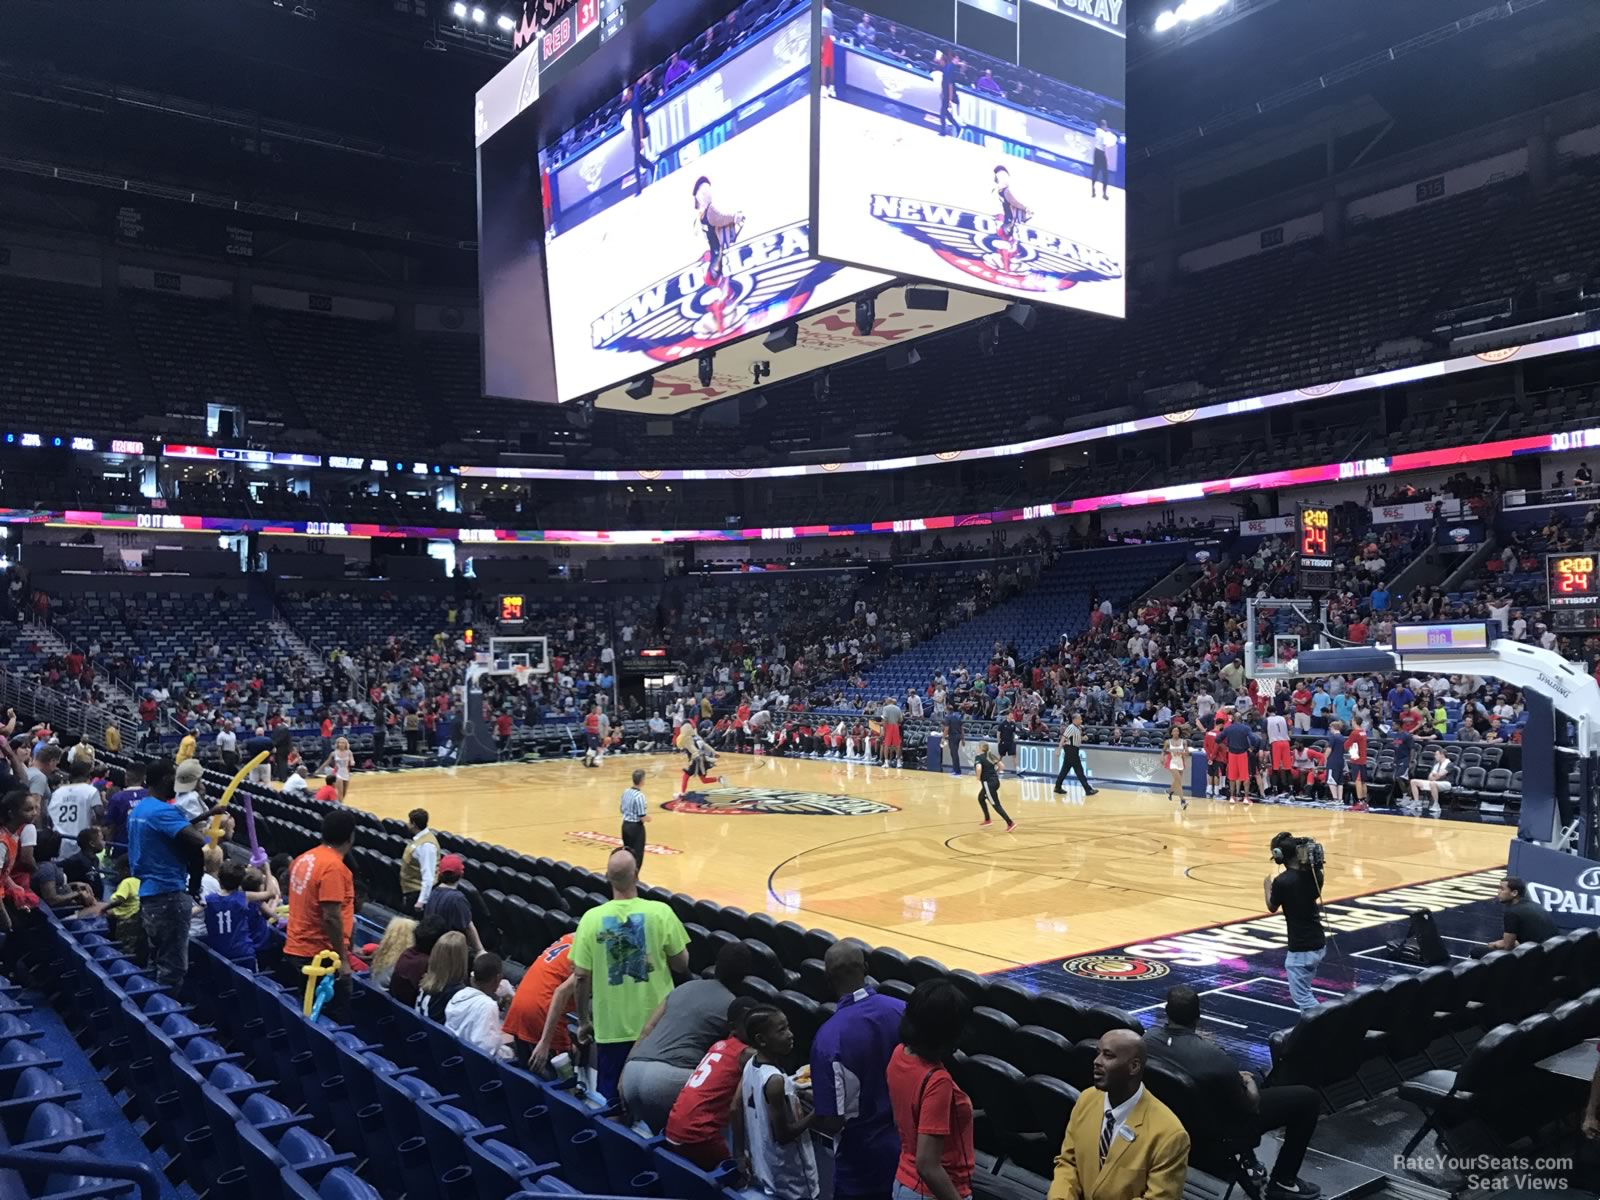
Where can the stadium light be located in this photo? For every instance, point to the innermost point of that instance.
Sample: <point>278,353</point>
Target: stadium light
<point>504,23</point>
<point>1188,11</point>
<point>458,10</point>
<point>479,16</point>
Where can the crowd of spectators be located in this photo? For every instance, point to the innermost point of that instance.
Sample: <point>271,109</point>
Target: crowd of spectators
<point>981,73</point>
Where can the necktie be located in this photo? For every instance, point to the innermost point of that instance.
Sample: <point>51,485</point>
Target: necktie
<point>1106,1132</point>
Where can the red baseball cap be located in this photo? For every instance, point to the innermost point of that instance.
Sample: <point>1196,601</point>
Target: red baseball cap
<point>453,863</point>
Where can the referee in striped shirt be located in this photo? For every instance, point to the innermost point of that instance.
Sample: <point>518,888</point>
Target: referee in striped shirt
<point>634,817</point>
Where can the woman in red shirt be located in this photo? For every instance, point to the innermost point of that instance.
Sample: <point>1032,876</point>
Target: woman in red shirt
<point>933,1115</point>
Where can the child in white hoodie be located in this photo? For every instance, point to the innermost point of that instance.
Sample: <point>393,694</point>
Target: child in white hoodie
<point>473,1013</point>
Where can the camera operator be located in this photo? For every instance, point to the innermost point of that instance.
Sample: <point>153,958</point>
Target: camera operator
<point>1297,890</point>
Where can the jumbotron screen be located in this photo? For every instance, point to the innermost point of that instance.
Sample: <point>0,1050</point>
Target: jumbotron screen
<point>979,143</point>
<point>678,218</point>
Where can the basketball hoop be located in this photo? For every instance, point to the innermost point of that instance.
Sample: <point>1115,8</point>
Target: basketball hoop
<point>522,673</point>
<point>1267,686</point>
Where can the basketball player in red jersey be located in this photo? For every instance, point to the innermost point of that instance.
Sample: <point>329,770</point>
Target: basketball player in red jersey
<point>1355,758</point>
<point>710,1099</point>
<point>827,52</point>
<point>1013,215</point>
<point>721,230</point>
<point>1216,757</point>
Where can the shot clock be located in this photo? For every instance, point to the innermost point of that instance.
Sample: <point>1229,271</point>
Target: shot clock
<point>1571,580</point>
<point>1316,550</point>
<point>511,611</point>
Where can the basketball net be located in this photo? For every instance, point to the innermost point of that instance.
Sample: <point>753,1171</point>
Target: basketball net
<point>1267,686</point>
<point>522,674</point>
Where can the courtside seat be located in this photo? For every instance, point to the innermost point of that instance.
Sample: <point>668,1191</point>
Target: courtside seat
<point>764,961</point>
<point>885,963</point>
<point>999,1115</point>
<point>1216,1145</point>
<point>805,1017</point>
<point>974,986</point>
<point>1493,1085</point>
<point>1322,1048</point>
<point>1059,1013</point>
<point>758,988</point>
<point>1040,1051</point>
<point>813,980</point>
<point>1018,1003</point>
<point>1100,1019</point>
<point>900,989</point>
<point>1050,1101</point>
<point>988,1031</point>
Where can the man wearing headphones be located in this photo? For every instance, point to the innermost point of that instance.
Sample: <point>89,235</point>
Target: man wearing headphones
<point>1297,890</point>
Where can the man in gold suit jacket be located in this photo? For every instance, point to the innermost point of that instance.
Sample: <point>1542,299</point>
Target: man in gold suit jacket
<point>1121,1142</point>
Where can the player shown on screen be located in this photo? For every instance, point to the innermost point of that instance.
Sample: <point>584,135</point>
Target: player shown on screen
<point>1013,215</point>
<point>721,230</point>
<point>947,70</point>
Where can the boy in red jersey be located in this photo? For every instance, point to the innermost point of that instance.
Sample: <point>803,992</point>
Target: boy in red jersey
<point>709,1102</point>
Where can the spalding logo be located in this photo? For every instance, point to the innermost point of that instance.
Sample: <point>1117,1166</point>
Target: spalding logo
<point>1589,881</point>
<point>1033,260</point>
<point>738,801</point>
<point>766,278</point>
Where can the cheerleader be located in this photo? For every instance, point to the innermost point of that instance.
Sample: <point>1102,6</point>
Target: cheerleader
<point>343,761</point>
<point>1177,759</point>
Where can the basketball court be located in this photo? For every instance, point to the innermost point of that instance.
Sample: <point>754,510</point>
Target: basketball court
<point>897,858</point>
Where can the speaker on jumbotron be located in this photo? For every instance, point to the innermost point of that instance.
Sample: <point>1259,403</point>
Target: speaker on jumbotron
<point>927,299</point>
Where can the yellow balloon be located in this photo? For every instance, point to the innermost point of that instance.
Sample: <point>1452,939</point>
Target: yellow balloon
<point>326,962</point>
<point>214,834</point>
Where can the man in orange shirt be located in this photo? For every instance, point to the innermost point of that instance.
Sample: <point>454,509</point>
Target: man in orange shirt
<point>322,909</point>
<point>543,999</point>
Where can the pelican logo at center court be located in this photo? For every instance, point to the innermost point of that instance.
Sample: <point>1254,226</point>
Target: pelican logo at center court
<point>739,801</point>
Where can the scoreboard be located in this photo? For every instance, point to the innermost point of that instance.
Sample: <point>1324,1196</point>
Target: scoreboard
<point>570,38</point>
<point>1315,550</point>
